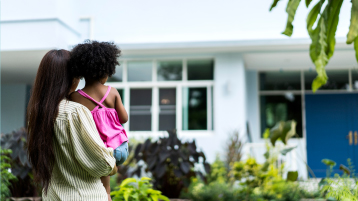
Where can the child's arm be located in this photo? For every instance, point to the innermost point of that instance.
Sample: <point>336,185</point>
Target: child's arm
<point>122,113</point>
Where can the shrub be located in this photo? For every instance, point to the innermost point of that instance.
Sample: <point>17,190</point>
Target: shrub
<point>6,176</point>
<point>171,163</point>
<point>134,190</point>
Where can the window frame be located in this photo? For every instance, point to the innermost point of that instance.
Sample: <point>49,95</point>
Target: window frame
<point>301,92</point>
<point>155,85</point>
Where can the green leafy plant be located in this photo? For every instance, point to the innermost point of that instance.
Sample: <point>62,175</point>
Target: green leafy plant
<point>325,15</point>
<point>171,162</point>
<point>137,190</point>
<point>20,165</point>
<point>6,175</point>
<point>342,189</point>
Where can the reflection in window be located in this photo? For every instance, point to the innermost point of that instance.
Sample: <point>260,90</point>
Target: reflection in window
<point>140,110</point>
<point>337,79</point>
<point>118,76</point>
<point>195,108</point>
<point>280,81</point>
<point>170,70</point>
<point>167,109</point>
<point>281,108</point>
<point>139,71</point>
<point>200,69</point>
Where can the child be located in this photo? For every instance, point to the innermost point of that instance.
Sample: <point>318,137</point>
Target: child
<point>96,62</point>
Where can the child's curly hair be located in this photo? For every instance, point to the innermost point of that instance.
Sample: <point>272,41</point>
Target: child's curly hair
<point>94,60</point>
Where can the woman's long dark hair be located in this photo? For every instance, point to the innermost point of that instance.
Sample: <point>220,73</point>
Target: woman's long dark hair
<point>52,84</point>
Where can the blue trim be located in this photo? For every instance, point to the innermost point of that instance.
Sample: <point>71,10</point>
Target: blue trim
<point>43,20</point>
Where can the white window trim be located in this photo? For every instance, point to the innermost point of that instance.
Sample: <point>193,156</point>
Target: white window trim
<point>155,86</point>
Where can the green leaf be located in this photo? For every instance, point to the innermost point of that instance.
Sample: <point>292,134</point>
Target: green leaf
<point>127,181</point>
<point>318,54</point>
<point>289,130</point>
<point>353,28</point>
<point>274,4</point>
<point>345,169</point>
<point>162,197</point>
<point>312,16</point>
<point>333,10</point>
<point>154,197</point>
<point>292,176</point>
<point>127,194</point>
<point>356,47</point>
<point>287,150</point>
<point>329,162</point>
<point>275,132</point>
<point>291,9</point>
<point>308,2</point>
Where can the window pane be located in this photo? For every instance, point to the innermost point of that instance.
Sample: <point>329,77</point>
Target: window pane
<point>337,79</point>
<point>118,76</point>
<point>139,71</point>
<point>121,93</point>
<point>140,110</point>
<point>194,108</point>
<point>167,109</point>
<point>170,70</point>
<point>280,81</point>
<point>281,108</point>
<point>355,78</point>
<point>200,69</point>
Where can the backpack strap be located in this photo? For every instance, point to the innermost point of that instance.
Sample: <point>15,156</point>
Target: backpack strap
<point>99,104</point>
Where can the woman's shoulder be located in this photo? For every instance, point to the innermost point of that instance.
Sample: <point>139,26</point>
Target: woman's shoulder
<point>67,107</point>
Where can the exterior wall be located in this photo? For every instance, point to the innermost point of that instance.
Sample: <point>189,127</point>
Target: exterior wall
<point>252,105</point>
<point>13,107</point>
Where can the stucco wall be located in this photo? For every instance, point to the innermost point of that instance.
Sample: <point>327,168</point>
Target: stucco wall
<point>13,107</point>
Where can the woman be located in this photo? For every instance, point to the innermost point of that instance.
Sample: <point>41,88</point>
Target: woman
<point>64,147</point>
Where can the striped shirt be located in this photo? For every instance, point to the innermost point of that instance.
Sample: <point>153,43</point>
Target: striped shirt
<point>81,157</point>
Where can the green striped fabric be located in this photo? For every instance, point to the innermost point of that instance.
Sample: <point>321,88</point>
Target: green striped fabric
<point>81,157</point>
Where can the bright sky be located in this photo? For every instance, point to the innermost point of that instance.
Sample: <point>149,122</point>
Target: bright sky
<point>142,21</point>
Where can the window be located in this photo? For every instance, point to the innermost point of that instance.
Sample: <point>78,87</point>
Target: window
<point>139,71</point>
<point>280,81</point>
<point>338,80</point>
<point>179,95</point>
<point>195,115</point>
<point>170,70</point>
<point>140,109</point>
<point>167,109</point>
<point>282,92</point>
<point>118,76</point>
<point>200,70</point>
<point>278,108</point>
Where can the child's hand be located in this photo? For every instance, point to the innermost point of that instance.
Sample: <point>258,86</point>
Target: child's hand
<point>114,171</point>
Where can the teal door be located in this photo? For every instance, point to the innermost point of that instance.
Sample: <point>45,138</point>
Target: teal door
<point>331,125</point>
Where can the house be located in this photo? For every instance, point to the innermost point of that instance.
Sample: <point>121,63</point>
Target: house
<point>206,89</point>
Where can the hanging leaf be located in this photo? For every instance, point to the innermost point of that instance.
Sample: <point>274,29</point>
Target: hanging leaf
<point>312,16</point>
<point>308,2</point>
<point>274,4</point>
<point>333,10</point>
<point>292,176</point>
<point>318,54</point>
<point>356,47</point>
<point>291,9</point>
<point>353,28</point>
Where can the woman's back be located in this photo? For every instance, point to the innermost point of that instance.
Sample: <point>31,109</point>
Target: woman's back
<point>81,157</point>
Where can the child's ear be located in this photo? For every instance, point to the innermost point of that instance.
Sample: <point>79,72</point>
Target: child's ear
<point>75,82</point>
